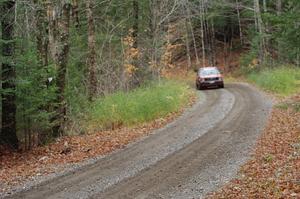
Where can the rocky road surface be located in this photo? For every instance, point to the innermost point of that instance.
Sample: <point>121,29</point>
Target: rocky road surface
<point>190,157</point>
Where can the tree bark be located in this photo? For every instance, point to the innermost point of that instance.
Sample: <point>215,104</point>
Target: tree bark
<point>61,61</point>
<point>52,29</point>
<point>187,44</point>
<point>135,27</point>
<point>91,61</point>
<point>75,13</point>
<point>41,33</point>
<point>135,34</point>
<point>265,5</point>
<point>239,20</point>
<point>189,21</point>
<point>279,7</point>
<point>260,27</point>
<point>202,19</point>
<point>213,45</point>
<point>9,109</point>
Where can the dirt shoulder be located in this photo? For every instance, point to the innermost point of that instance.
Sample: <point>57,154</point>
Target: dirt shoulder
<point>274,169</point>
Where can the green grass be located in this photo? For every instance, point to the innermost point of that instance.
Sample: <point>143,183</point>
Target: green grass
<point>139,106</point>
<point>282,81</point>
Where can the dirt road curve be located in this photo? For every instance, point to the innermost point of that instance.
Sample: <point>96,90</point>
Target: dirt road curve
<point>189,158</point>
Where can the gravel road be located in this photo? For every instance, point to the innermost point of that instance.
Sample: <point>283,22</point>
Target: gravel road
<point>190,157</point>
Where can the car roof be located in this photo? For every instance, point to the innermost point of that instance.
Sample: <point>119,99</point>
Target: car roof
<point>208,68</point>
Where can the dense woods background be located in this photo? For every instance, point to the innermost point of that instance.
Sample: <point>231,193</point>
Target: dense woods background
<point>59,56</point>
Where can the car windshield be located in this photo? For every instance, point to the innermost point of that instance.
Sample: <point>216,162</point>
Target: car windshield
<point>212,71</point>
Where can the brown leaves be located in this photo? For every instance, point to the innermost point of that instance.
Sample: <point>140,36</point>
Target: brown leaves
<point>274,170</point>
<point>131,53</point>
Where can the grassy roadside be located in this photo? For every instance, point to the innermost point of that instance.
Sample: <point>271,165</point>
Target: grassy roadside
<point>280,81</point>
<point>145,104</point>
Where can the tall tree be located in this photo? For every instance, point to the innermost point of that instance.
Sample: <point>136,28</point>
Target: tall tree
<point>41,32</point>
<point>91,61</point>
<point>75,13</point>
<point>279,6</point>
<point>135,27</point>
<point>260,28</point>
<point>8,130</point>
<point>61,61</point>
<point>239,20</point>
<point>135,34</point>
<point>185,13</point>
<point>137,72</point>
<point>202,20</point>
<point>52,30</point>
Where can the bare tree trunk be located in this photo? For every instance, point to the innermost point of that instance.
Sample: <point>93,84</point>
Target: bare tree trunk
<point>189,22</point>
<point>279,11</point>
<point>239,20</point>
<point>225,53</point>
<point>61,61</point>
<point>135,27</point>
<point>255,15</point>
<point>41,33</point>
<point>42,41</point>
<point>202,32</point>
<point>154,28</point>
<point>194,42</point>
<point>298,57</point>
<point>260,30</point>
<point>27,23</point>
<point>91,62</point>
<point>135,35</point>
<point>208,41</point>
<point>187,44</point>
<point>9,108</point>
<point>185,13</point>
<point>52,28</point>
<point>265,5</point>
<point>213,46</point>
<point>75,13</point>
<point>279,7</point>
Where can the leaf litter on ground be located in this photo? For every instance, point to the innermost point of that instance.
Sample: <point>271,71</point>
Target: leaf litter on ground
<point>274,168</point>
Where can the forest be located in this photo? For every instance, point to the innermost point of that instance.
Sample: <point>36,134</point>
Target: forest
<point>58,57</point>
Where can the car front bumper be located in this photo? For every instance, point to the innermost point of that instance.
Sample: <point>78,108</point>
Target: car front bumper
<point>208,84</point>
